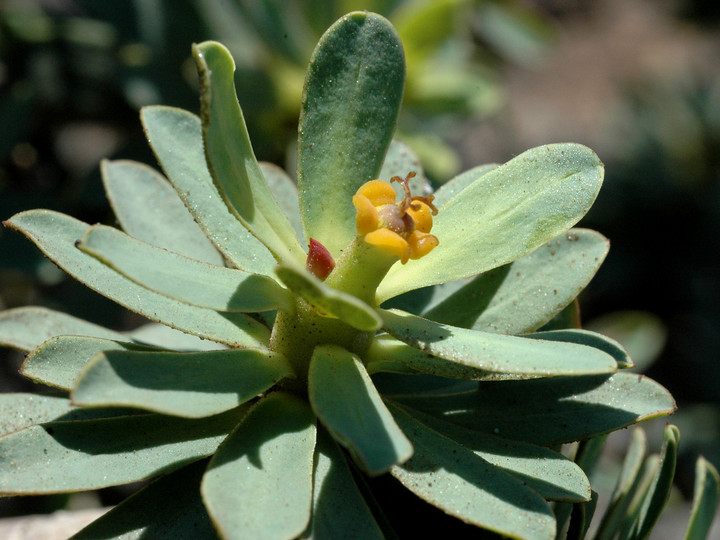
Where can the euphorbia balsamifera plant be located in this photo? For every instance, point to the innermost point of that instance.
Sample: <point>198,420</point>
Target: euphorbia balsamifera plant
<point>290,377</point>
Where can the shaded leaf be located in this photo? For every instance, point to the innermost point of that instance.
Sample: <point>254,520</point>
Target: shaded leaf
<point>346,402</point>
<point>176,138</point>
<point>55,234</point>
<point>192,385</point>
<point>657,495</point>
<point>564,409</point>
<point>627,484</point>
<point>339,510</point>
<point>77,456</point>
<point>270,455</point>
<point>19,410</point>
<point>149,209</point>
<point>460,483</point>
<point>522,296</point>
<point>170,507</point>
<point>59,361</point>
<point>705,500</point>
<point>546,472</point>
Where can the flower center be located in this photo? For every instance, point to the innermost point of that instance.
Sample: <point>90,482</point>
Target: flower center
<point>400,228</point>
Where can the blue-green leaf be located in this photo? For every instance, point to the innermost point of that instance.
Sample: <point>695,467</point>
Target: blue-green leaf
<point>457,481</point>
<point>259,482</point>
<point>78,456</point>
<point>449,351</point>
<point>176,138</point>
<point>230,156</point>
<point>522,296</point>
<point>327,301</point>
<point>339,510</point>
<point>170,507</point>
<point>184,279</point>
<point>55,234</point>
<point>59,361</point>
<point>192,385</point>
<point>564,409</point>
<point>350,106</point>
<point>705,500</point>
<point>503,215</point>
<point>25,328</point>
<point>149,209</point>
<point>344,398</point>
<point>549,473</point>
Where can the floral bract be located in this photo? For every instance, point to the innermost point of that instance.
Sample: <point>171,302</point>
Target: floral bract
<point>253,424</point>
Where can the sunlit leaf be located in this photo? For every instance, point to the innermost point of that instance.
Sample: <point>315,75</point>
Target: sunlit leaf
<point>350,106</point>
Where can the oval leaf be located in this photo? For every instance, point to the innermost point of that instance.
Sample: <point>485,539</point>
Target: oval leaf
<point>350,105</point>
<point>182,278</point>
<point>149,209</point>
<point>259,482</point>
<point>344,398</point>
<point>230,156</point>
<point>192,385</point>
<point>504,215</point>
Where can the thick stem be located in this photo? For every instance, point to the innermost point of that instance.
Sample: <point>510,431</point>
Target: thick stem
<point>360,269</point>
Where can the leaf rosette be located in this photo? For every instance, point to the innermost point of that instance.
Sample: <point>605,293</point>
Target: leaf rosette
<point>269,376</point>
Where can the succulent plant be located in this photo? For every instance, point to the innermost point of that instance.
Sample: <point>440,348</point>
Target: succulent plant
<point>274,378</point>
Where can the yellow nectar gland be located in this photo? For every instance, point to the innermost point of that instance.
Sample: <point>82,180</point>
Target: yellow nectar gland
<point>401,228</point>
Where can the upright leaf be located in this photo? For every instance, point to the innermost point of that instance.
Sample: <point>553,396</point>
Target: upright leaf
<point>351,101</point>
<point>176,138</point>
<point>149,209</point>
<point>230,156</point>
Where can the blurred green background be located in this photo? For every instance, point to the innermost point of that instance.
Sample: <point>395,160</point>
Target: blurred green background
<point>636,80</point>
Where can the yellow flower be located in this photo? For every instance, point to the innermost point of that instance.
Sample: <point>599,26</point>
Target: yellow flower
<point>402,228</point>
